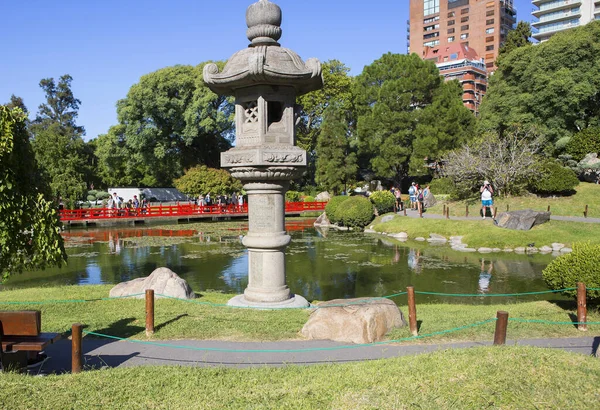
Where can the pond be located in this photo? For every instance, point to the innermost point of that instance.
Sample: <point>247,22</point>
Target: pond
<point>320,266</point>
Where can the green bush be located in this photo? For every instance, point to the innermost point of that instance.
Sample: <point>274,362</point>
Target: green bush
<point>309,198</point>
<point>356,212</point>
<point>443,186</point>
<point>553,178</point>
<point>584,142</point>
<point>292,196</point>
<point>383,200</point>
<point>100,195</point>
<point>332,207</point>
<point>581,265</point>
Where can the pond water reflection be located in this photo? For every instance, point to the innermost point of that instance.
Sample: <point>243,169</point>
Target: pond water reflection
<point>319,266</point>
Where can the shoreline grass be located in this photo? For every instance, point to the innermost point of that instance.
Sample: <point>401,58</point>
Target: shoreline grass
<point>500,377</point>
<point>484,233</point>
<point>175,319</point>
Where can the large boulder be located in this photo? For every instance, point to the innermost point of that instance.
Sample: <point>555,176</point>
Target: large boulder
<point>429,200</point>
<point>360,320</point>
<point>323,197</point>
<point>522,220</point>
<point>163,281</point>
<point>322,220</point>
<point>589,168</point>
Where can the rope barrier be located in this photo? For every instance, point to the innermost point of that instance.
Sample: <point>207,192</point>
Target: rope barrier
<point>549,322</point>
<point>57,301</point>
<point>309,349</point>
<point>493,294</point>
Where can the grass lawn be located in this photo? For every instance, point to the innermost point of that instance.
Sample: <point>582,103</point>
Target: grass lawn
<point>497,377</point>
<point>484,233</point>
<point>587,194</point>
<point>176,319</point>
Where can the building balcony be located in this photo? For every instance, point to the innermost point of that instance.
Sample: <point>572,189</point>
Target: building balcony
<point>468,86</point>
<point>469,97</point>
<point>558,17</point>
<point>544,35</point>
<point>468,77</point>
<point>565,4</point>
<point>470,106</point>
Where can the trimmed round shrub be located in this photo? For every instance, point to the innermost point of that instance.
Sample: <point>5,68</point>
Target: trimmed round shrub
<point>100,195</point>
<point>584,142</point>
<point>443,186</point>
<point>309,198</point>
<point>332,207</point>
<point>292,196</point>
<point>383,200</point>
<point>581,265</point>
<point>554,179</point>
<point>356,212</point>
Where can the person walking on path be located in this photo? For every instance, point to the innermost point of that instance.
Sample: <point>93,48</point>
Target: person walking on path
<point>412,194</point>
<point>486,198</point>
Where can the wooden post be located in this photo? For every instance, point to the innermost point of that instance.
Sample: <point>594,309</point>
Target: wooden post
<point>548,208</point>
<point>581,307</point>
<point>586,211</point>
<point>507,207</point>
<point>76,351</point>
<point>447,212</point>
<point>467,210</point>
<point>444,210</point>
<point>495,212</point>
<point>501,324</point>
<point>412,311</point>
<point>404,210</point>
<point>149,312</point>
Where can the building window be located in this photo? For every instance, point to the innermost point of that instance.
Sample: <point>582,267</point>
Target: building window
<point>450,39</point>
<point>431,20</point>
<point>464,11</point>
<point>431,43</point>
<point>453,56</point>
<point>431,28</point>
<point>450,22</point>
<point>489,13</point>
<point>465,27</point>
<point>464,19</point>
<point>451,14</point>
<point>489,30</point>
<point>489,21</point>
<point>489,48</point>
<point>431,7</point>
<point>450,30</point>
<point>432,35</point>
<point>489,39</point>
<point>464,36</point>
<point>489,65</point>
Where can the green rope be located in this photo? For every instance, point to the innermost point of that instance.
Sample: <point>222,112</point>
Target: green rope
<point>57,301</point>
<point>310,349</point>
<point>492,294</point>
<point>548,322</point>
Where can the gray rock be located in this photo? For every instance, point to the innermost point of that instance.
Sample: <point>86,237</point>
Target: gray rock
<point>369,230</point>
<point>566,250</point>
<point>496,250</point>
<point>522,220</point>
<point>520,249</point>
<point>545,249</point>
<point>531,249</point>
<point>399,235</point>
<point>437,237</point>
<point>456,239</point>
<point>342,228</point>
<point>429,200</point>
<point>323,197</point>
<point>557,246</point>
<point>484,250</point>
<point>589,168</point>
<point>420,239</point>
<point>507,250</point>
<point>163,281</point>
<point>467,249</point>
<point>322,220</point>
<point>360,320</point>
<point>387,218</point>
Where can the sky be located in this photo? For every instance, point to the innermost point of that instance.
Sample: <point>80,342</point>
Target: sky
<point>107,45</point>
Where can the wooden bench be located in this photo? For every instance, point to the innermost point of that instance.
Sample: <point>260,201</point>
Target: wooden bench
<point>20,332</point>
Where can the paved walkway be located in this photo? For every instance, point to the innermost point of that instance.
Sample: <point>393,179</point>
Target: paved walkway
<point>430,215</point>
<point>100,353</point>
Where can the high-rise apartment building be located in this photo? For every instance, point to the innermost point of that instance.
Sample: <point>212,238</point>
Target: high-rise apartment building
<point>558,15</point>
<point>480,24</point>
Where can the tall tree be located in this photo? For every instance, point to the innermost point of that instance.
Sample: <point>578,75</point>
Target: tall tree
<point>169,121</point>
<point>29,226</point>
<point>336,163</point>
<point>400,100</point>
<point>17,102</point>
<point>57,140</point>
<point>554,86</point>
<point>337,89</point>
<point>519,37</point>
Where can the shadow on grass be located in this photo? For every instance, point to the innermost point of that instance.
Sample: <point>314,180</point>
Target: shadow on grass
<point>122,328</point>
<point>168,322</point>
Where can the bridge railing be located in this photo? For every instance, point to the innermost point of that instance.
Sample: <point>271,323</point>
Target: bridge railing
<point>175,210</point>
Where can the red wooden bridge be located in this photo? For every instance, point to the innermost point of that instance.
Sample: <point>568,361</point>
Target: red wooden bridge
<point>179,211</point>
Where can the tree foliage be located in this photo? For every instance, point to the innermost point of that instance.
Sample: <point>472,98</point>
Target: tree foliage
<point>29,226</point>
<point>554,86</point>
<point>57,140</point>
<point>169,121</point>
<point>553,179</point>
<point>407,113</point>
<point>508,162</point>
<point>584,142</point>
<point>336,163</point>
<point>204,180</point>
<point>519,37</point>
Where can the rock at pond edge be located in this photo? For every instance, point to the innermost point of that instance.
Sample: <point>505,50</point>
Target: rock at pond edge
<point>162,280</point>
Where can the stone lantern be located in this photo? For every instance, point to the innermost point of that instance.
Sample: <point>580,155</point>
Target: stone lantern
<point>265,80</point>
